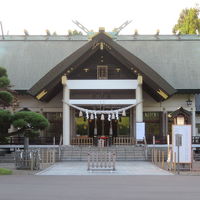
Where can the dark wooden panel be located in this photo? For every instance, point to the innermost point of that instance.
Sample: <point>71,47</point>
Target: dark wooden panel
<point>102,58</point>
<point>102,94</point>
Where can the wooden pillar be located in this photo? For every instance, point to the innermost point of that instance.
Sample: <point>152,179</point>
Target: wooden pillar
<point>66,112</point>
<point>194,121</point>
<point>140,129</point>
<point>132,123</point>
<point>166,122</point>
<point>139,98</point>
<point>163,124</point>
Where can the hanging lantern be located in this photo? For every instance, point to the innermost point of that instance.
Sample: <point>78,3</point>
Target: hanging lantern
<point>113,116</point>
<point>92,116</point>
<point>80,114</point>
<point>102,117</point>
<point>124,113</point>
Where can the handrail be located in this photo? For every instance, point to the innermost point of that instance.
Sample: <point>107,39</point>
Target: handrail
<point>82,141</point>
<point>123,141</point>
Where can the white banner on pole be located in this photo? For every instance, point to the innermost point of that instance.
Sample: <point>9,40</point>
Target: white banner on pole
<point>185,149</point>
<point>140,131</point>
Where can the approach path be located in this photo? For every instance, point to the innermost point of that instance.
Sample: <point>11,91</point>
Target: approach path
<point>122,168</point>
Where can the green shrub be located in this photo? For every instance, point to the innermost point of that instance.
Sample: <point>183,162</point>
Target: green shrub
<point>31,120</point>
<point>4,81</point>
<point>4,171</point>
<point>3,72</point>
<point>5,121</point>
<point>6,96</point>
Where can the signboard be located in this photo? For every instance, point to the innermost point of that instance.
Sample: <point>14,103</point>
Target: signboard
<point>181,136</point>
<point>140,131</point>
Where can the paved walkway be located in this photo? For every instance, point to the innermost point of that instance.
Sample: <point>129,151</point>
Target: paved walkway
<point>122,168</point>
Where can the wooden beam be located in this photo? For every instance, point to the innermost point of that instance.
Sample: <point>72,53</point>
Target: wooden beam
<point>102,101</point>
<point>102,84</point>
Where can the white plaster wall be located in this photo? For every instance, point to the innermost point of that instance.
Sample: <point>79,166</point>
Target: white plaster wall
<point>55,105</point>
<point>172,104</point>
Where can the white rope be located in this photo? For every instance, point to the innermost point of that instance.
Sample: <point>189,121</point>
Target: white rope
<point>95,112</point>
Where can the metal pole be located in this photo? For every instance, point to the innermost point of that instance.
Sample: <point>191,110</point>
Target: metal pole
<point>2,30</point>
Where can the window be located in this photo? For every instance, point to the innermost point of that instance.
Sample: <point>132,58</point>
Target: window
<point>81,126</point>
<point>124,126</point>
<point>153,124</point>
<point>198,128</point>
<point>102,72</point>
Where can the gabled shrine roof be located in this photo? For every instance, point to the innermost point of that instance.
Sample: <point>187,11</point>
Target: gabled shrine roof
<point>175,58</point>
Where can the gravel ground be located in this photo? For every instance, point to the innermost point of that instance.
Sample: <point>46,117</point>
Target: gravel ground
<point>195,170</point>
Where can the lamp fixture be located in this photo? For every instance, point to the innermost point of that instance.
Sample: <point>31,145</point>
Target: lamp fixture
<point>189,102</point>
<point>118,69</point>
<point>86,69</point>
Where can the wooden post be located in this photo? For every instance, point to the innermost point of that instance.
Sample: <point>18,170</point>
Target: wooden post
<point>114,159</point>
<point>156,156</point>
<point>159,157</point>
<point>88,161</point>
<point>163,157</point>
<point>47,156</point>
<point>32,162</point>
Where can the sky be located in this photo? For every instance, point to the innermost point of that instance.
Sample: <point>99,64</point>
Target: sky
<point>56,15</point>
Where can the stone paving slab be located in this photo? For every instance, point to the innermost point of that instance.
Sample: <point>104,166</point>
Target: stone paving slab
<point>122,168</point>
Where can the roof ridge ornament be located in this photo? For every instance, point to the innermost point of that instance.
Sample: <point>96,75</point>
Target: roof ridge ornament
<point>112,34</point>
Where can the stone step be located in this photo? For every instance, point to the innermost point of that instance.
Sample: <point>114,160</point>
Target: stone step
<point>123,153</point>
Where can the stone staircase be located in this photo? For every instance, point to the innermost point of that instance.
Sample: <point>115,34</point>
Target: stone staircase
<point>123,153</point>
<point>80,153</point>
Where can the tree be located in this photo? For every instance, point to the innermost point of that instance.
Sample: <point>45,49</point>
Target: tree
<point>29,123</point>
<point>6,97</point>
<point>5,122</point>
<point>74,32</point>
<point>188,22</point>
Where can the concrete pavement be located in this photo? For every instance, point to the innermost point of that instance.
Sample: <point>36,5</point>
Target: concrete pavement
<point>99,187</point>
